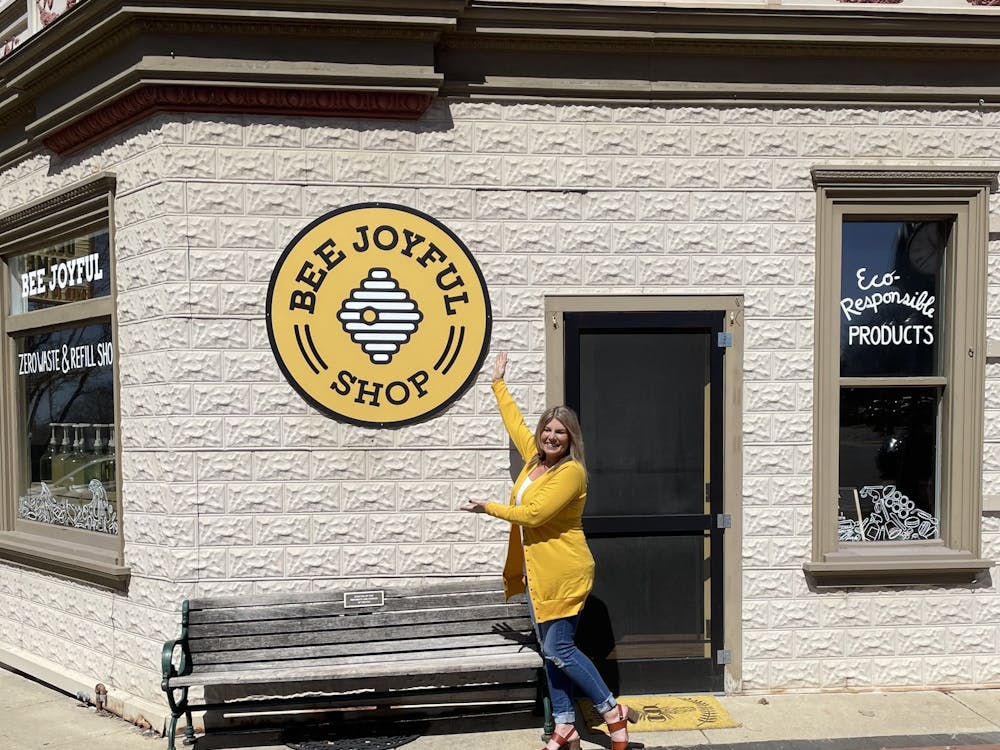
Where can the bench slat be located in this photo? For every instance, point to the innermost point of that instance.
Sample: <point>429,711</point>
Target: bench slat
<point>465,586</point>
<point>465,663</point>
<point>262,637</point>
<point>391,648</point>
<point>293,614</point>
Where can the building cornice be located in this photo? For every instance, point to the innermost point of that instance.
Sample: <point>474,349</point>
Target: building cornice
<point>139,104</point>
<point>104,64</point>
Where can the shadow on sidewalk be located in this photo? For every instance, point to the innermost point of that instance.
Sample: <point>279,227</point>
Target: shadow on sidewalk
<point>372,730</point>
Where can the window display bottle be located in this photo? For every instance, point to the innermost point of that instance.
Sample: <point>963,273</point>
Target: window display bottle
<point>45,462</point>
<point>108,465</point>
<point>77,459</point>
<point>97,457</point>
<point>59,460</point>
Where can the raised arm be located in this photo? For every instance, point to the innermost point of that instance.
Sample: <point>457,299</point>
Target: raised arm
<point>513,421</point>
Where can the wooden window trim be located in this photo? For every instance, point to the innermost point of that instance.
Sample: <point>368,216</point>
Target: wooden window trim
<point>964,194</point>
<point>85,556</point>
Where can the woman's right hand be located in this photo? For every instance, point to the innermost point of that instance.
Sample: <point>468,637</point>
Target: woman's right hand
<point>500,366</point>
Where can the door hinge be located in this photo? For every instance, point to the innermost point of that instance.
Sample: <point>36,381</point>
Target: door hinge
<point>723,521</point>
<point>723,656</point>
<point>725,339</point>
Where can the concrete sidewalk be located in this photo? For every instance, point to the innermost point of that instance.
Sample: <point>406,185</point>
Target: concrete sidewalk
<point>34,716</point>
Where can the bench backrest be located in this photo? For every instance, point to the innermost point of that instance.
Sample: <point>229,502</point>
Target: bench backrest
<point>453,620</point>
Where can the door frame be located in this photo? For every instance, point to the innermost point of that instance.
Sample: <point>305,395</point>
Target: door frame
<point>732,425</point>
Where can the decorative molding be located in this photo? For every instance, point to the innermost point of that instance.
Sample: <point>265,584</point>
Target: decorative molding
<point>832,176</point>
<point>74,196</point>
<point>139,104</point>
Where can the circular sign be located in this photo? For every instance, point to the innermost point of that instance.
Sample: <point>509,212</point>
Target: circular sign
<point>378,315</point>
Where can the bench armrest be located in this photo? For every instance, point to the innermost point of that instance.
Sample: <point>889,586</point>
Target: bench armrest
<point>167,660</point>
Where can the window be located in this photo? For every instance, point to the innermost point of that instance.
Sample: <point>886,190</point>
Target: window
<point>60,507</point>
<point>899,375</point>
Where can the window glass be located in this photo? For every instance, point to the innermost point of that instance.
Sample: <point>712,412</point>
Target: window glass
<point>890,297</point>
<point>66,379</point>
<point>888,464</point>
<point>59,274</point>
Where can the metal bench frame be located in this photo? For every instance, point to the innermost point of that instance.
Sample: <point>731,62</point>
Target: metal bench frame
<point>441,642</point>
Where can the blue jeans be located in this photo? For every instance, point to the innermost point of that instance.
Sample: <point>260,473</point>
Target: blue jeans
<point>567,666</point>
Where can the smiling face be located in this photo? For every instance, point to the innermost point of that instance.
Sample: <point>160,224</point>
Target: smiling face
<point>553,441</point>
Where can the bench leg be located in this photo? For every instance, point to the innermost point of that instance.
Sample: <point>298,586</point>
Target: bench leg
<point>172,732</point>
<point>550,725</point>
<point>189,729</point>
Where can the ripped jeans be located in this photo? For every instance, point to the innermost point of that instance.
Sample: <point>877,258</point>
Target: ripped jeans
<point>567,666</point>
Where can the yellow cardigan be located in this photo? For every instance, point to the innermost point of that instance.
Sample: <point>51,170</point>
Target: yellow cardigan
<point>555,554</point>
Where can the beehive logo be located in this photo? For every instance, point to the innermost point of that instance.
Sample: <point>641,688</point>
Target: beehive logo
<point>378,315</point>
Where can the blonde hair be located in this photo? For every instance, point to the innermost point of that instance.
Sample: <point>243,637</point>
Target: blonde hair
<point>572,424</point>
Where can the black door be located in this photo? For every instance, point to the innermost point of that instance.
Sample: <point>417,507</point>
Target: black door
<point>648,388</point>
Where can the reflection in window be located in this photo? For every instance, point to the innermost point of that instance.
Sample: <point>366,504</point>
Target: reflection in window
<point>888,464</point>
<point>890,297</point>
<point>66,379</point>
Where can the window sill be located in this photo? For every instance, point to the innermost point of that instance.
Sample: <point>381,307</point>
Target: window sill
<point>80,562</point>
<point>895,564</point>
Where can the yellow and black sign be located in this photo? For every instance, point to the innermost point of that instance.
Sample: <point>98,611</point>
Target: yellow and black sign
<point>378,315</point>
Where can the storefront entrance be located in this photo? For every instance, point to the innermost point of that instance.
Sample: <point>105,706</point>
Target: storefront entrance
<point>648,386</point>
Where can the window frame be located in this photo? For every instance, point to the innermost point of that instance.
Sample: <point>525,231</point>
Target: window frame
<point>86,556</point>
<point>900,194</point>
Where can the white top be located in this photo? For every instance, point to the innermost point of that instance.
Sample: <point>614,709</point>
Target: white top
<point>520,492</point>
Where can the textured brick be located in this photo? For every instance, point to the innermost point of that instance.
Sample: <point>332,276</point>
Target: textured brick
<point>664,206</point>
<point>312,562</point>
<point>253,498</point>
<point>424,558</point>
<point>304,166</point>
<point>846,674</point>
<point>340,529</point>
<point>226,531</point>
<point>647,173</point>
<point>639,238</point>
<point>529,171</point>
<point>769,645</point>
<point>274,200</point>
<point>214,198</point>
<point>275,465</point>
<point>818,643</point>
<point>950,670</point>
<point>610,206</point>
<point>665,141</point>
<point>427,496</point>
<point>282,530</point>
<point>368,560</point>
<point>745,174</point>
<point>256,562</point>
<point>693,173</point>
<point>591,172</point>
<point>244,164</point>
<point>716,207</point>
<point>502,137</point>
<point>216,131</point>
<point>396,528</point>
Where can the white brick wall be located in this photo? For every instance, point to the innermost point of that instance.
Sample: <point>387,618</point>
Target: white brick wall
<point>234,485</point>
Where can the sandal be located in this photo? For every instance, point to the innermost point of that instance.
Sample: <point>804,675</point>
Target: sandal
<point>571,740</point>
<point>626,715</point>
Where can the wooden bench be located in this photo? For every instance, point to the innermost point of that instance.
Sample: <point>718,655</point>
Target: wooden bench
<point>437,643</point>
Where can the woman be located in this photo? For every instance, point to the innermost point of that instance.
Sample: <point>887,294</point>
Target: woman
<point>549,557</point>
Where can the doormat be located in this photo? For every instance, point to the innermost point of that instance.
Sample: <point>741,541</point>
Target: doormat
<point>665,713</point>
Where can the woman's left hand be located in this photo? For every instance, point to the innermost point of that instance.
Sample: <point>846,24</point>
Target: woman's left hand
<point>475,506</point>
